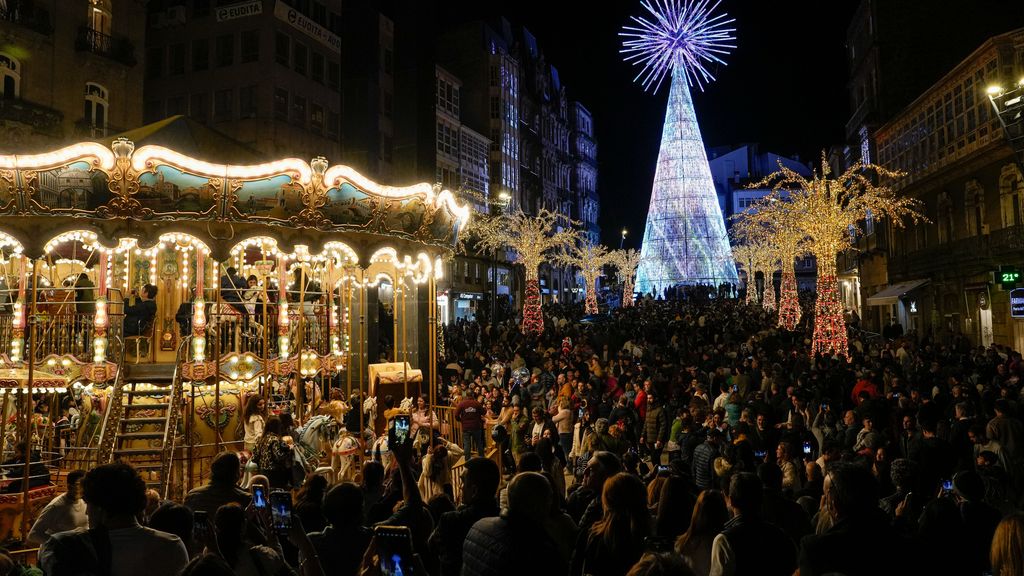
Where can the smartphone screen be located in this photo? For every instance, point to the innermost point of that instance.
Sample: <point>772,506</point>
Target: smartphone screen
<point>400,426</point>
<point>760,453</point>
<point>807,447</point>
<point>200,525</point>
<point>947,485</point>
<point>281,510</point>
<point>394,550</point>
<point>259,496</point>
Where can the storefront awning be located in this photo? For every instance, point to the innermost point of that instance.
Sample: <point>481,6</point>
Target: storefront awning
<point>892,293</point>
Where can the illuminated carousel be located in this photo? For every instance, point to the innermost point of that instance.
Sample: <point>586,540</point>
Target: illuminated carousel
<point>303,283</point>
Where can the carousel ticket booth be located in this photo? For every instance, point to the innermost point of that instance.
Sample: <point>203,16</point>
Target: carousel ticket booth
<point>139,313</point>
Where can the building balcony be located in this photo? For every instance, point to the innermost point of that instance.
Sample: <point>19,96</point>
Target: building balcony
<point>42,119</point>
<point>117,48</point>
<point>28,16</point>
<point>971,255</point>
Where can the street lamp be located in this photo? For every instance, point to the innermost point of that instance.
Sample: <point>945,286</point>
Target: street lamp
<point>1008,104</point>
<point>504,199</point>
<point>623,241</point>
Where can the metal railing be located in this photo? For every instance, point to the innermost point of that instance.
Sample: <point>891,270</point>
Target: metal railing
<point>177,402</point>
<point>27,15</point>
<point>113,47</point>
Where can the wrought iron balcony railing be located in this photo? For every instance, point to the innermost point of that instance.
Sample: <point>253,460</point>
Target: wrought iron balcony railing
<point>116,48</point>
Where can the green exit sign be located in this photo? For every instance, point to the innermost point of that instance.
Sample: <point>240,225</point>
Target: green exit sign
<point>1008,276</point>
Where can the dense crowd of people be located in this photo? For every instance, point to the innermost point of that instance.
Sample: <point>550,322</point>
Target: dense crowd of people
<point>678,437</point>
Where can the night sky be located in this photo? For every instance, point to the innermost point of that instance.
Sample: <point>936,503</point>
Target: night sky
<point>784,86</point>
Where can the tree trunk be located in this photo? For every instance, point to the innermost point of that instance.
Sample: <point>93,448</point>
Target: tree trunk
<point>789,303</point>
<point>829,323</point>
<point>533,318</point>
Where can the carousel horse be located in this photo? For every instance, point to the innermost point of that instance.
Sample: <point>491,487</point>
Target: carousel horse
<point>370,407</point>
<point>310,439</point>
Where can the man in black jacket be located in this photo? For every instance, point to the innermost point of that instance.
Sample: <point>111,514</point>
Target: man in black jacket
<point>515,543</point>
<point>479,486</point>
<point>748,544</point>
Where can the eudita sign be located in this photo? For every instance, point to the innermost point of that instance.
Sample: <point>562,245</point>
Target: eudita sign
<point>311,28</point>
<point>1017,303</point>
<point>240,10</point>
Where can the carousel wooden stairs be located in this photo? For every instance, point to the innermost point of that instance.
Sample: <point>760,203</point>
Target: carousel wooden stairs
<point>146,432</point>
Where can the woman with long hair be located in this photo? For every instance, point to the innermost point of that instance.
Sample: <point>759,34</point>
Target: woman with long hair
<point>436,476</point>
<point>423,418</point>
<point>273,456</point>
<point>254,418</point>
<point>616,541</point>
<point>708,519</point>
<point>1008,546</point>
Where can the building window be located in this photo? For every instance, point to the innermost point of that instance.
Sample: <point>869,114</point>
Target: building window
<point>200,54</point>
<point>333,74</point>
<point>152,111</point>
<point>99,16</point>
<point>175,106</point>
<point>282,49</point>
<point>974,208</point>
<point>250,46</point>
<point>200,8</point>
<point>448,97</point>
<point>333,121</point>
<point>96,107</point>
<point>10,70</point>
<point>388,58</point>
<point>198,108</point>
<point>316,67</point>
<point>495,107</point>
<point>316,118</point>
<point>299,111</point>
<point>247,102</point>
<point>300,58</point>
<point>320,14</point>
<point>176,59</point>
<point>280,104</point>
<point>222,101</point>
<point>447,139</point>
<point>225,50</point>
<point>154,62</point>
<point>1010,189</point>
<point>388,104</point>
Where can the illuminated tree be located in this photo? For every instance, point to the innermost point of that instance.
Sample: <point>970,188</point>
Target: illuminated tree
<point>590,259</point>
<point>828,210</point>
<point>626,262</point>
<point>767,262</point>
<point>745,255</point>
<point>773,220</point>
<point>533,239</point>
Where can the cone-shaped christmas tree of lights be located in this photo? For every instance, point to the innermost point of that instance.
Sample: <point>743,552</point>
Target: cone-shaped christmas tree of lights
<point>685,240</point>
